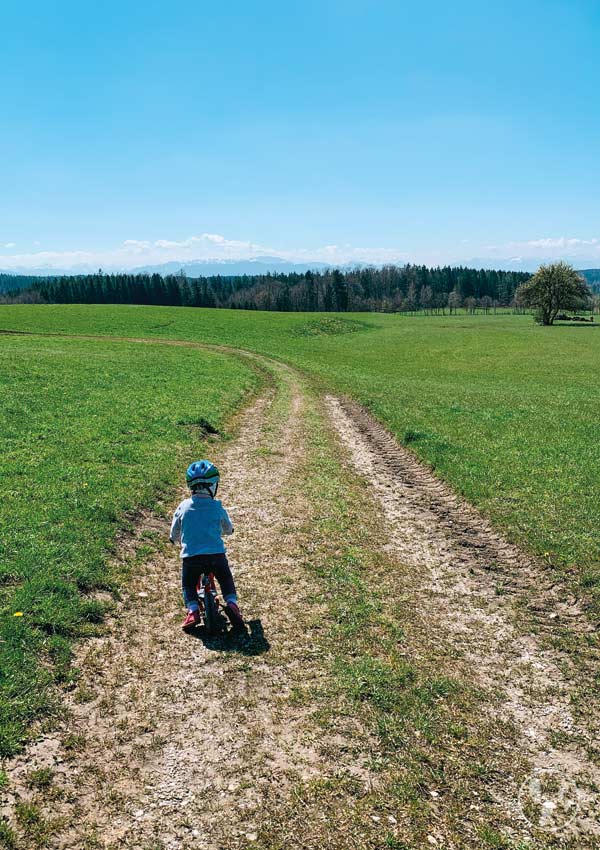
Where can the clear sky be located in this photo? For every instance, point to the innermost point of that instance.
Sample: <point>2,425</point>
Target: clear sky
<point>324,129</point>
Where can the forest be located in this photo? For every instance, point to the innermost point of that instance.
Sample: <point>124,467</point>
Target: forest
<point>408,288</point>
<point>13,282</point>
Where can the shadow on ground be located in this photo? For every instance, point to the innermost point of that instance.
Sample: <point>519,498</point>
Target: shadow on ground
<point>249,641</point>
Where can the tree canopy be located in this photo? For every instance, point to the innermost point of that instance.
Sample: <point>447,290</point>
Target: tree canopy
<point>553,288</point>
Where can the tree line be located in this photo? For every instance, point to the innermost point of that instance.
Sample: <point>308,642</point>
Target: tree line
<point>13,282</point>
<point>409,288</point>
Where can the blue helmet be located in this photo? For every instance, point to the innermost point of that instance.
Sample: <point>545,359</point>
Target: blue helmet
<point>203,475</point>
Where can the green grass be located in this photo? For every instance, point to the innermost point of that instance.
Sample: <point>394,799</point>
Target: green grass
<point>90,432</point>
<point>504,410</point>
<point>41,778</point>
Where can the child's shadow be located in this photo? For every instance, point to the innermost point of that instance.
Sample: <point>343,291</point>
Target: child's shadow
<point>248,641</point>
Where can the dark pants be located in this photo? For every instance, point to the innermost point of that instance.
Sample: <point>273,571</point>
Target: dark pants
<point>191,570</point>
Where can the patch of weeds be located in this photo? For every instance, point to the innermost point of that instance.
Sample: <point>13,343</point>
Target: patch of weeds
<point>299,696</point>
<point>92,841</point>
<point>156,742</point>
<point>3,780</point>
<point>411,436</point>
<point>492,838</point>
<point>83,695</point>
<point>458,731</point>
<point>151,534</point>
<point>265,451</point>
<point>74,743</point>
<point>591,578</point>
<point>115,798</point>
<point>143,552</point>
<point>322,787</point>
<point>32,822</point>
<point>368,679</point>
<point>393,843</point>
<point>287,580</point>
<point>8,839</point>
<point>41,778</point>
<point>408,789</point>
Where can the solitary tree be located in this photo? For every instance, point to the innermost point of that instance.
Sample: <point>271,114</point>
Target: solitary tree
<point>553,288</point>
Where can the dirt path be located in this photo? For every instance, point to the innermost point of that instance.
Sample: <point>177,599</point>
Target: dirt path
<point>172,741</point>
<point>470,588</point>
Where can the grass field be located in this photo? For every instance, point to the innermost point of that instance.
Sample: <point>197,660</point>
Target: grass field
<point>90,431</point>
<point>93,429</point>
<point>504,410</point>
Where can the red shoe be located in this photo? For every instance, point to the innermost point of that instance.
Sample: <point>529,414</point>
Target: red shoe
<point>192,620</point>
<point>235,617</point>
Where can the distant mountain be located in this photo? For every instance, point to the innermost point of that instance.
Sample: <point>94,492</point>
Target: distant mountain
<point>48,271</point>
<point>264,264</point>
<point>207,268</point>
<point>527,264</point>
<point>192,268</point>
<point>591,275</point>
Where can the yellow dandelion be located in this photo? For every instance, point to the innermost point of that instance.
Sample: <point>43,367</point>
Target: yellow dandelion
<point>18,614</point>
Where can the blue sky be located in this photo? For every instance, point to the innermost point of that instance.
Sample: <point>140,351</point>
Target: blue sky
<point>144,132</point>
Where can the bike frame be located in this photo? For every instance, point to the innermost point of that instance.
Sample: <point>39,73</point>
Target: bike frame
<point>206,583</point>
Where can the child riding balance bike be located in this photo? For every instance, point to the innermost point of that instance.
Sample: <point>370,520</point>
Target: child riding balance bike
<point>199,524</point>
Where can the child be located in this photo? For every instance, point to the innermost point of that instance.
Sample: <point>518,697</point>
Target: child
<point>198,524</point>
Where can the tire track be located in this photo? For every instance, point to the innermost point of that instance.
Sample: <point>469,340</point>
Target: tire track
<point>467,583</point>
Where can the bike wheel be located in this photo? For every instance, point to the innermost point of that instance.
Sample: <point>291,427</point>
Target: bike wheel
<point>210,612</point>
